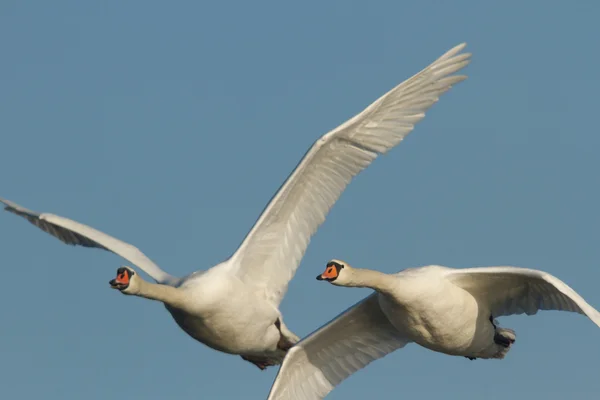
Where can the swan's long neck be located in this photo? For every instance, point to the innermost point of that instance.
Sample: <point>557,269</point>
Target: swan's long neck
<point>368,278</point>
<point>169,295</point>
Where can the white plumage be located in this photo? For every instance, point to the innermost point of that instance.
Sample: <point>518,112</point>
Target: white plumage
<point>447,310</point>
<point>234,306</point>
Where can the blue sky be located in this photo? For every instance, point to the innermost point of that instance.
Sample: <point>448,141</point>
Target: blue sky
<point>170,125</point>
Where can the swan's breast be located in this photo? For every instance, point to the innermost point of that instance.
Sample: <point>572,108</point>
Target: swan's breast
<point>226,317</point>
<point>436,315</point>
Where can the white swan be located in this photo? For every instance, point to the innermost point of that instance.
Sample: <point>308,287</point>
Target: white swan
<point>234,306</point>
<point>444,309</point>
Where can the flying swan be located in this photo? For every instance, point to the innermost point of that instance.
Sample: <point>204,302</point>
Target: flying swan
<point>447,310</point>
<point>234,306</point>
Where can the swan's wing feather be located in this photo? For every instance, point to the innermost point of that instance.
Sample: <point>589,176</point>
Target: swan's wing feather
<point>77,234</point>
<point>348,343</point>
<point>512,290</point>
<point>271,252</point>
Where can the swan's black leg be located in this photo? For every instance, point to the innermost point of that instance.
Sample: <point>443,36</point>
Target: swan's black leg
<point>283,344</point>
<point>471,358</point>
<point>492,321</point>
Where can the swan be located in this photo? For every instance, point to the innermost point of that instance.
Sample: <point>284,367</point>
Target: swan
<point>443,309</point>
<point>233,307</point>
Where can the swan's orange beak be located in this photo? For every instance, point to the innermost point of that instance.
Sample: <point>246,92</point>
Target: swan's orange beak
<point>122,280</point>
<point>330,274</point>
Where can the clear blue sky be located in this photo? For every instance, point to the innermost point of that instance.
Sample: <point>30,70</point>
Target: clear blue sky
<point>171,124</point>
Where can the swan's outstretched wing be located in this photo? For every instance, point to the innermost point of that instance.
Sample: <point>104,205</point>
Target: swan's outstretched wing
<point>74,233</point>
<point>318,363</point>
<point>512,290</point>
<point>271,252</point>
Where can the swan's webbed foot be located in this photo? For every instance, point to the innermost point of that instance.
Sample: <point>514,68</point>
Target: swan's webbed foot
<point>503,336</point>
<point>471,358</point>
<point>261,363</point>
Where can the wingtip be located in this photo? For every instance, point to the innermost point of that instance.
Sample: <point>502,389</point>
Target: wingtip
<point>460,46</point>
<point>454,52</point>
<point>7,204</point>
<point>457,52</point>
<point>17,209</point>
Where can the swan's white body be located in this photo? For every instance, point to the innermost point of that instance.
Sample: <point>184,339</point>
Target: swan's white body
<point>234,306</point>
<point>447,310</point>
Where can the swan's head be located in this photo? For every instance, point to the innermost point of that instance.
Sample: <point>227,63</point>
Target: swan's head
<point>125,281</point>
<point>336,272</point>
